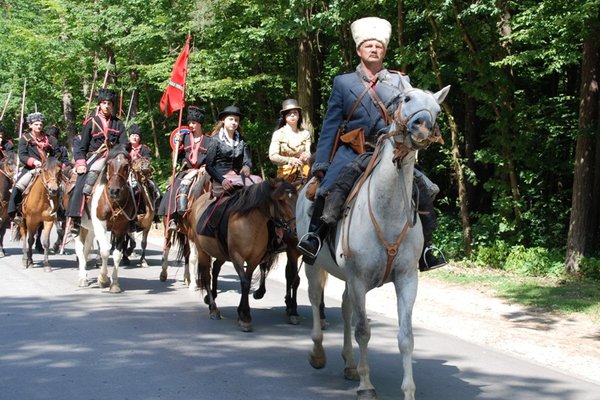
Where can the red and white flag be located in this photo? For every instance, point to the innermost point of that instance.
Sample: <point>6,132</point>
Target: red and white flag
<point>172,99</point>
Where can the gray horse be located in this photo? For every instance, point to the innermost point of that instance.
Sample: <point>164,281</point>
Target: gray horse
<point>378,240</point>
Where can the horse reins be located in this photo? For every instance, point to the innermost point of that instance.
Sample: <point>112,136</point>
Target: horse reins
<point>121,209</point>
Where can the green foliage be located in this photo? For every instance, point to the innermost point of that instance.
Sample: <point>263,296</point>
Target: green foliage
<point>493,255</point>
<point>590,267</point>
<point>535,261</point>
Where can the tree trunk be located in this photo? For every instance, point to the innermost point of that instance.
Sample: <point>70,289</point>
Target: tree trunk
<point>153,128</point>
<point>69,116</point>
<point>305,79</point>
<point>580,225</point>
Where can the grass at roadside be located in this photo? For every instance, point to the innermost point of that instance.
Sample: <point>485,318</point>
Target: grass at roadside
<point>543,294</point>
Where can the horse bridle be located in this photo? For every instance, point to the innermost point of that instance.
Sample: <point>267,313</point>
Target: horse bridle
<point>120,208</point>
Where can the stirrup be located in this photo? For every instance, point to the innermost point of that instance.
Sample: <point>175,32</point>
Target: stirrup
<point>304,250</point>
<point>424,265</point>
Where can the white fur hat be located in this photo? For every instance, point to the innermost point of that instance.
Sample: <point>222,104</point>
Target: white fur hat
<point>371,28</point>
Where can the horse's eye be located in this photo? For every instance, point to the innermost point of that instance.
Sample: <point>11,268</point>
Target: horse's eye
<point>407,99</point>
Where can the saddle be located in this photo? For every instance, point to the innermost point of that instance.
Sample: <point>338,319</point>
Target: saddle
<point>214,221</point>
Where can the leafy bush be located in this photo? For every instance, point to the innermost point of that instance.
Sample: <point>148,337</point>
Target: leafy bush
<point>535,261</point>
<point>590,267</point>
<point>493,256</point>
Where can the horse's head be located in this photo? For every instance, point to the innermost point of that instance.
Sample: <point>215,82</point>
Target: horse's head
<point>285,196</point>
<point>142,169</point>
<point>118,165</point>
<point>51,173</point>
<point>9,163</point>
<point>415,115</point>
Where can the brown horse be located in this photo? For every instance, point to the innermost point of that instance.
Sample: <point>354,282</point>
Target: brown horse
<point>142,171</point>
<point>252,213</point>
<point>39,208</point>
<point>8,167</point>
<point>111,208</point>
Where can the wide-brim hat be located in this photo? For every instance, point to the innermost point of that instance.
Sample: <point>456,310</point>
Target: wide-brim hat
<point>107,94</point>
<point>289,104</point>
<point>195,114</point>
<point>135,130</point>
<point>371,28</point>
<point>35,117</point>
<point>230,110</point>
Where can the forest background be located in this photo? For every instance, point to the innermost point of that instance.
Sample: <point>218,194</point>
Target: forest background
<point>519,172</point>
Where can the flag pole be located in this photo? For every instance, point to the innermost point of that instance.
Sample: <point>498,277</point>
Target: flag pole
<point>129,108</point>
<point>5,105</point>
<point>22,108</point>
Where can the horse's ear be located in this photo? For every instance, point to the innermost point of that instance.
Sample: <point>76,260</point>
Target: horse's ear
<point>441,95</point>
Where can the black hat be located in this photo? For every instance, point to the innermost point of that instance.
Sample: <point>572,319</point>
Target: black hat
<point>195,114</point>
<point>289,104</point>
<point>35,117</point>
<point>135,130</point>
<point>231,110</point>
<point>53,131</point>
<point>107,94</point>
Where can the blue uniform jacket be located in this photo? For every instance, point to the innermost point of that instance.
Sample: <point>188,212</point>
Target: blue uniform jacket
<point>347,88</point>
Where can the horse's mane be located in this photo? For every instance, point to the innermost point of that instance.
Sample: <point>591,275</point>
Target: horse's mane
<point>52,163</point>
<point>117,150</point>
<point>253,197</point>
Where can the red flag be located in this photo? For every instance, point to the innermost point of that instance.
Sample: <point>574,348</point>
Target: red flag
<point>172,99</point>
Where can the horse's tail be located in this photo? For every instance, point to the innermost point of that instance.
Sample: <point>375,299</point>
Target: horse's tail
<point>182,245</point>
<point>17,235</point>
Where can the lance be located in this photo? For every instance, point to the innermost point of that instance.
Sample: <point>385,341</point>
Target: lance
<point>5,105</point>
<point>87,110</point>
<point>121,104</point>
<point>129,108</point>
<point>22,108</point>
<point>106,74</point>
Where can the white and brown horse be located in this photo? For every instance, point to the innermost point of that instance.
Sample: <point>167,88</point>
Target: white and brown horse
<point>379,240</point>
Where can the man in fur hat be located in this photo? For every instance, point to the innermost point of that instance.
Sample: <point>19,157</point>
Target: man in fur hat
<point>352,105</point>
<point>100,133</point>
<point>5,144</point>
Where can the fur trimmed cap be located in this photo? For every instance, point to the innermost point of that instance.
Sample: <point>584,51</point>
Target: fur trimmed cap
<point>35,117</point>
<point>107,94</point>
<point>371,28</point>
<point>195,114</point>
<point>53,131</point>
<point>135,130</point>
<point>230,110</point>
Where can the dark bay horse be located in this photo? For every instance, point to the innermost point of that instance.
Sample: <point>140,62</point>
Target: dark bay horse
<point>142,171</point>
<point>253,212</point>
<point>110,208</point>
<point>40,206</point>
<point>378,240</point>
<point>8,168</point>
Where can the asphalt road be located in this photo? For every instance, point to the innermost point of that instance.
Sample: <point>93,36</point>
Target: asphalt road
<point>155,341</point>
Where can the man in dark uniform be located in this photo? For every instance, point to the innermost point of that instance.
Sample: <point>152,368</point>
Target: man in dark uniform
<point>353,105</point>
<point>140,150</point>
<point>34,146</point>
<point>100,133</point>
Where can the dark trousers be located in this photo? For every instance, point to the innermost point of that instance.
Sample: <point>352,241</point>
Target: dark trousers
<point>76,200</point>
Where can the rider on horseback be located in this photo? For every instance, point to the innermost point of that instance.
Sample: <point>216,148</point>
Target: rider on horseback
<point>357,112</point>
<point>34,147</point>
<point>5,144</point>
<point>140,150</point>
<point>192,152</point>
<point>100,133</point>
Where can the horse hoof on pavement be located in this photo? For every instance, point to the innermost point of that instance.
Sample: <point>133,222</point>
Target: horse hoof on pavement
<point>259,294</point>
<point>144,264</point>
<point>351,374</point>
<point>245,326</point>
<point>103,281</point>
<point>293,320</point>
<point>317,362</point>
<point>115,288</point>
<point>366,394</point>
<point>163,276</point>
<point>215,315</point>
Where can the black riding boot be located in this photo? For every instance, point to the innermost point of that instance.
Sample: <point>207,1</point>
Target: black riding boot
<point>336,198</point>
<point>432,257</point>
<point>311,243</point>
<point>15,208</point>
<point>182,199</point>
<point>75,225</point>
<point>90,181</point>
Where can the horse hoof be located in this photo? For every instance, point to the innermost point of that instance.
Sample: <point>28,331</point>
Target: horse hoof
<point>144,264</point>
<point>324,324</point>
<point>351,374</point>
<point>294,320</point>
<point>317,362</point>
<point>259,294</point>
<point>115,289</point>
<point>245,326</point>
<point>163,276</point>
<point>366,394</point>
<point>215,315</point>
<point>103,281</point>
<point>47,268</point>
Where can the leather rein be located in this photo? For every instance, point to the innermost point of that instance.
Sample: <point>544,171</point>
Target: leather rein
<point>120,208</point>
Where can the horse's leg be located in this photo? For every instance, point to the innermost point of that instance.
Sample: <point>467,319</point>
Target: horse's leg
<point>117,255</point>
<point>193,264</point>
<point>104,252</point>
<point>316,283</point>
<point>204,267</point>
<point>127,251</point>
<point>60,232</point>
<point>406,293</point>
<point>2,232</point>
<point>46,243</point>
<point>143,261</point>
<point>39,246</point>
<point>165,256</point>
<point>244,317</point>
<point>262,288</point>
<point>347,350</point>
<point>292,281</point>
<point>83,243</point>
<point>28,239</point>
<point>356,293</point>
<point>216,270</point>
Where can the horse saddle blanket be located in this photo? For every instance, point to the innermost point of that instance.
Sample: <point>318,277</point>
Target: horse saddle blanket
<point>215,219</point>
